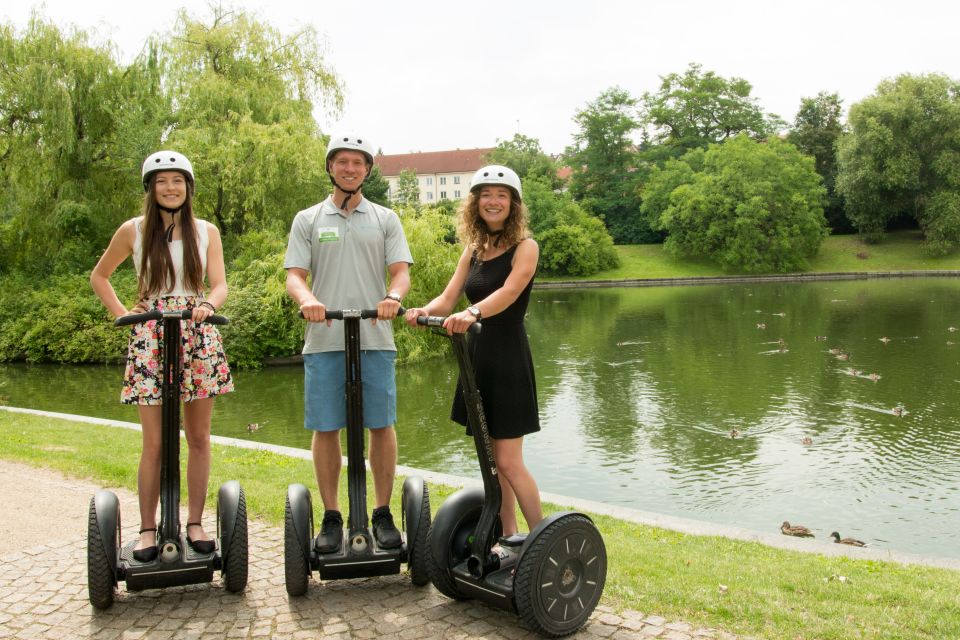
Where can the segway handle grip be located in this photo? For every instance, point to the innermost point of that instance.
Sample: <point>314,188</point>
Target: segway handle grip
<point>437,321</point>
<point>363,314</point>
<point>185,314</point>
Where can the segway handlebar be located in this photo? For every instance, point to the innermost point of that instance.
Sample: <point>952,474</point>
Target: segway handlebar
<point>185,314</point>
<point>363,314</point>
<point>437,321</point>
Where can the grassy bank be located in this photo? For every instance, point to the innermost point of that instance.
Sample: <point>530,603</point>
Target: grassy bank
<point>900,251</point>
<point>765,592</point>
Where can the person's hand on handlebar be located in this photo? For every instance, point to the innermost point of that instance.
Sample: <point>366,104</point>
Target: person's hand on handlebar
<point>412,315</point>
<point>458,322</point>
<point>140,307</point>
<point>387,309</point>
<point>202,311</point>
<point>314,311</point>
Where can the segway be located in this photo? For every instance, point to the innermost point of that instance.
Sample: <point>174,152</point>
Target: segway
<point>359,555</point>
<point>553,579</point>
<point>109,561</point>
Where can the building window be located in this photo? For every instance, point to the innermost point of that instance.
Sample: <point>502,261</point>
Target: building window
<point>456,180</point>
<point>443,179</point>
<point>443,194</point>
<point>430,195</point>
<point>429,181</point>
<point>456,194</point>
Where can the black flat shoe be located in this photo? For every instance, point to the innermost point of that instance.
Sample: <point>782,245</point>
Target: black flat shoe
<point>516,540</point>
<point>147,554</point>
<point>200,546</point>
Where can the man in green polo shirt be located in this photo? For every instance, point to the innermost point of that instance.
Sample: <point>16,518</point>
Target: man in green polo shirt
<point>347,245</point>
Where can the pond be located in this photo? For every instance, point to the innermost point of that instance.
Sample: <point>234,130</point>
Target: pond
<point>830,404</point>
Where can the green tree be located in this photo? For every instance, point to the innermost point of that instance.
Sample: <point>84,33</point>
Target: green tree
<point>756,207</point>
<point>375,187</point>
<point>74,127</point>
<point>524,155</point>
<point>698,108</point>
<point>901,159</point>
<point>605,176</point>
<point>816,129</point>
<point>244,95</point>
<point>408,189</point>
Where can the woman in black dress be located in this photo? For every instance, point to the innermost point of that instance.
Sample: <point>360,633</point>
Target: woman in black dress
<point>496,273</point>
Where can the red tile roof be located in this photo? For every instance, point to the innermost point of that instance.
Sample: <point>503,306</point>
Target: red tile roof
<point>457,161</point>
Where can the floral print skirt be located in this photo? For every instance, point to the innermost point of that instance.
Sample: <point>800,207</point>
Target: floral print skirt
<point>205,369</point>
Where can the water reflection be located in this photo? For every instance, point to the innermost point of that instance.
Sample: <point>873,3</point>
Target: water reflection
<point>641,390</point>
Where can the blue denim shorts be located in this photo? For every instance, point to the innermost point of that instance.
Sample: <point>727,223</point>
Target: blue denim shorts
<point>325,404</point>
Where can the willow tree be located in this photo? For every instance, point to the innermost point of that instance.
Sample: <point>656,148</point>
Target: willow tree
<point>72,123</point>
<point>243,96</point>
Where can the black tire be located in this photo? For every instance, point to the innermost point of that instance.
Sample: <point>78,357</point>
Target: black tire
<point>296,559</point>
<point>420,547</point>
<point>560,577</point>
<point>450,536</point>
<point>101,576</point>
<point>440,576</point>
<point>236,556</point>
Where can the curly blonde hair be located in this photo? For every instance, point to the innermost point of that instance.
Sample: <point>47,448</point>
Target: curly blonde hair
<point>472,231</point>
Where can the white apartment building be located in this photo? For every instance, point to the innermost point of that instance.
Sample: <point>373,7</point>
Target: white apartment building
<point>442,175</point>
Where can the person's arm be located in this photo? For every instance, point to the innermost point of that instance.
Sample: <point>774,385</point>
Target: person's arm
<point>296,262</point>
<point>444,303</point>
<point>216,275</point>
<point>120,247</point>
<point>298,289</point>
<point>399,285</point>
<point>521,272</point>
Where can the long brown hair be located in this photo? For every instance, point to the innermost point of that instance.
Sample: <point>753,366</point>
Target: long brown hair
<point>156,266</point>
<point>473,232</point>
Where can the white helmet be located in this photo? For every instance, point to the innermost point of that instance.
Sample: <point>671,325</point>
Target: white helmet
<point>497,174</point>
<point>353,142</point>
<point>166,161</point>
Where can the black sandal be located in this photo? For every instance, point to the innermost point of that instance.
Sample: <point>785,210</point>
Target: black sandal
<point>200,546</point>
<point>147,554</point>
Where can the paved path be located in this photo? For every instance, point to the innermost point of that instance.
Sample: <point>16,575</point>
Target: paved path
<point>43,588</point>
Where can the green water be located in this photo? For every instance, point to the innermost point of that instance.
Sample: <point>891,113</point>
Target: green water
<point>640,390</point>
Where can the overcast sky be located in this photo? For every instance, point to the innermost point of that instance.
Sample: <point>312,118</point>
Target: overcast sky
<point>427,76</point>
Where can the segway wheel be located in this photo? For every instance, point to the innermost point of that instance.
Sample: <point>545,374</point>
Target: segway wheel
<point>416,518</point>
<point>297,536</point>
<point>448,542</point>
<point>560,577</point>
<point>102,553</point>
<point>232,522</point>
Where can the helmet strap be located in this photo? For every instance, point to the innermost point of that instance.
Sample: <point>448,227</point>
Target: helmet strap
<point>350,193</point>
<point>173,213</point>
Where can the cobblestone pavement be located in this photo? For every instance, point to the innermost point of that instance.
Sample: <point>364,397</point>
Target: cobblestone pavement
<point>43,594</point>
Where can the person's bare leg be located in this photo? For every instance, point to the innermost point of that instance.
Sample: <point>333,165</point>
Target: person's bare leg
<point>383,463</point>
<point>148,473</point>
<point>196,425</point>
<point>327,460</point>
<point>509,455</point>
<point>508,507</point>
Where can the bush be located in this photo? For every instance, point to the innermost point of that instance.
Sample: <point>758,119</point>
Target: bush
<point>557,220</point>
<point>751,206</point>
<point>60,320</point>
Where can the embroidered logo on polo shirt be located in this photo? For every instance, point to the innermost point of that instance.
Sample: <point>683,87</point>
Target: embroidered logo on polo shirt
<point>328,234</point>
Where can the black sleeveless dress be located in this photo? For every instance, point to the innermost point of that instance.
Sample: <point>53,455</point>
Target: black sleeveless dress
<point>501,356</point>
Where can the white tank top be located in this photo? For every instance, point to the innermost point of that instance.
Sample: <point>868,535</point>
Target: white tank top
<point>176,254</point>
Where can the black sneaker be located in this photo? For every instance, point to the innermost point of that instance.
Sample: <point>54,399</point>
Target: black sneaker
<point>330,537</point>
<point>384,530</point>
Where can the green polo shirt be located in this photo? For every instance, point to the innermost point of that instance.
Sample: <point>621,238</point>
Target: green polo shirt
<point>347,257</point>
